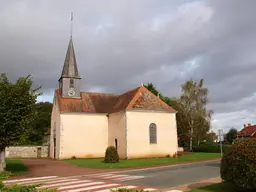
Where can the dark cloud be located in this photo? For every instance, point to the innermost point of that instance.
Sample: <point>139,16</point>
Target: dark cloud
<point>121,44</point>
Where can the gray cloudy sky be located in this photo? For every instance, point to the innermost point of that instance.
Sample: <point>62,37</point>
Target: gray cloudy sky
<point>121,43</point>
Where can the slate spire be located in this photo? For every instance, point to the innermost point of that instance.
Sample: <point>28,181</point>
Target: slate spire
<point>70,67</point>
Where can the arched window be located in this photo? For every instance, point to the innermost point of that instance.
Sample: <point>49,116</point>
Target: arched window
<point>71,83</point>
<point>152,133</point>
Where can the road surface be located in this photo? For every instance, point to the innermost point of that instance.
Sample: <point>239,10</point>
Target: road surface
<point>166,177</point>
<point>151,179</point>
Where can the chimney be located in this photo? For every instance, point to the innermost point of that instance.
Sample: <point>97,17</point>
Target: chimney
<point>244,125</point>
<point>249,124</point>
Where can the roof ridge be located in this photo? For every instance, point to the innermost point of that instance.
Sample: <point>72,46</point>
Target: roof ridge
<point>101,93</point>
<point>131,90</point>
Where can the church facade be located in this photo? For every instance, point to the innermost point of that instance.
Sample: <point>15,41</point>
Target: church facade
<point>84,124</point>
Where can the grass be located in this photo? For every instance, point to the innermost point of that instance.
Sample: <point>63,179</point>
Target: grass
<point>99,163</point>
<point>16,167</point>
<point>219,187</point>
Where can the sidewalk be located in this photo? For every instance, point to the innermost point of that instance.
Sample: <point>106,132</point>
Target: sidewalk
<point>188,187</point>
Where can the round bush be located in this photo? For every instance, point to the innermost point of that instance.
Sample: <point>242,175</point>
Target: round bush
<point>111,155</point>
<point>238,164</point>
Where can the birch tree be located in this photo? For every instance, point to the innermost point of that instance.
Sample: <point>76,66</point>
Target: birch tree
<point>17,112</point>
<point>192,103</point>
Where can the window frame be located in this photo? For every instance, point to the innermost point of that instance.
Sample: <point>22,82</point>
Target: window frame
<point>152,133</point>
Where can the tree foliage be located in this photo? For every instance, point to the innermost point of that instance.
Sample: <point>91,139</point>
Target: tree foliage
<point>238,165</point>
<point>231,135</point>
<point>17,111</point>
<point>211,136</point>
<point>41,124</point>
<point>192,105</point>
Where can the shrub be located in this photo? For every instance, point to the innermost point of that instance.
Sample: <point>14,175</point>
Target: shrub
<point>73,157</point>
<point>210,147</point>
<point>111,155</point>
<point>238,165</point>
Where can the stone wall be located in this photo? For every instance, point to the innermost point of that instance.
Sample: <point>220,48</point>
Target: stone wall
<point>26,152</point>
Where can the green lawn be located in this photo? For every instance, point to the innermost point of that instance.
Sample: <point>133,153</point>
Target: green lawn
<point>16,167</point>
<point>219,187</point>
<point>98,163</point>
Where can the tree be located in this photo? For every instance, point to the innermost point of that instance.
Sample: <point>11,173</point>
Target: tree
<point>42,123</point>
<point>192,103</point>
<point>231,135</point>
<point>17,112</point>
<point>211,137</point>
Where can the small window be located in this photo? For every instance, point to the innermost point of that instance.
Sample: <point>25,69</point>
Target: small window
<point>152,133</point>
<point>71,83</point>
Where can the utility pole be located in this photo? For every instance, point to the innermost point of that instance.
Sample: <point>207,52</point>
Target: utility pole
<point>220,134</point>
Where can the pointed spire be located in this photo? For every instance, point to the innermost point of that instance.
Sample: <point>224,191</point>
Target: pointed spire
<point>70,66</point>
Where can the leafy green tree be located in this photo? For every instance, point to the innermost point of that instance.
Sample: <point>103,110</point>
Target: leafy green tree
<point>17,112</point>
<point>231,135</point>
<point>41,124</point>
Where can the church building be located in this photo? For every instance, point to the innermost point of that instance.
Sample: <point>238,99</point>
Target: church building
<point>84,124</point>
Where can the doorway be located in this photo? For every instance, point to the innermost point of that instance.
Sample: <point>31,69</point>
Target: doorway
<point>39,152</point>
<point>116,144</point>
<point>54,148</point>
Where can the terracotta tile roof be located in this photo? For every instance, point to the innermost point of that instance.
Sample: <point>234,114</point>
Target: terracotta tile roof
<point>89,102</point>
<point>248,131</point>
<point>140,98</point>
<point>124,100</point>
<point>147,100</point>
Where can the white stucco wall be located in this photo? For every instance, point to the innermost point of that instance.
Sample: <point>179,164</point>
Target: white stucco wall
<point>138,145</point>
<point>83,135</point>
<point>117,124</point>
<point>55,118</point>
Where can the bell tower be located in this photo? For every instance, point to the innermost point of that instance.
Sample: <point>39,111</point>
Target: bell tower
<point>69,82</point>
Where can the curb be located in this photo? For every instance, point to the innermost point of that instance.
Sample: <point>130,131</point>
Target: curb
<point>187,187</point>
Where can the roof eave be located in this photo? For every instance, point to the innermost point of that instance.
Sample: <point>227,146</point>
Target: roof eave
<point>150,110</point>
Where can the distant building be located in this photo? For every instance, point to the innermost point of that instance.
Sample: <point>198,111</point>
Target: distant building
<point>249,131</point>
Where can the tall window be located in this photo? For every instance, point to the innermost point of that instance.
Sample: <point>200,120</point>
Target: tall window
<point>152,133</point>
<point>71,83</point>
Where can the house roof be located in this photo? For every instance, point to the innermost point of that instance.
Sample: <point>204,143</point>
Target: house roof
<point>138,98</point>
<point>249,130</point>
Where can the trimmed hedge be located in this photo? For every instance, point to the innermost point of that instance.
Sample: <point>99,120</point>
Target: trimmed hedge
<point>238,165</point>
<point>210,147</point>
<point>111,155</point>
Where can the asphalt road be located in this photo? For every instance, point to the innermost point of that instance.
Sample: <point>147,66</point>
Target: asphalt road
<point>170,176</point>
